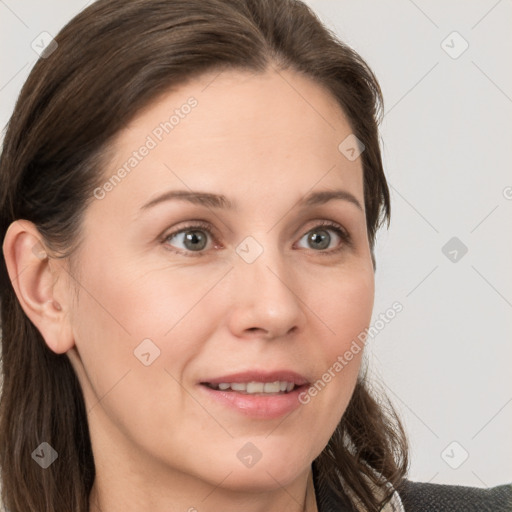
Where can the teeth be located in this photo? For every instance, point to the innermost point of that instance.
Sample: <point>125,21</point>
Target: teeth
<point>272,387</point>
<point>256,387</point>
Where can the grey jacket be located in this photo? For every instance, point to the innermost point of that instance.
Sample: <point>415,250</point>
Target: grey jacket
<point>425,497</point>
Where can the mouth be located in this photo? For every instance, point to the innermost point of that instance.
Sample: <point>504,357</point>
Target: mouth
<point>257,394</point>
<point>254,388</point>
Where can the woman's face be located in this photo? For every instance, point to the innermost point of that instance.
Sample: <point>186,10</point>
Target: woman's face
<point>252,283</point>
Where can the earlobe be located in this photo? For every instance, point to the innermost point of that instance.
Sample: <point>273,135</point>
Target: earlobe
<point>33,274</point>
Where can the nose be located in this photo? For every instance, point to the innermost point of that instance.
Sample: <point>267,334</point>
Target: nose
<point>266,297</point>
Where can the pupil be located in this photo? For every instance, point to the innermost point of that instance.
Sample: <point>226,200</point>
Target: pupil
<point>196,239</point>
<point>320,238</point>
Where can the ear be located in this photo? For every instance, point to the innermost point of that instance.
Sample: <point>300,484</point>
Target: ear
<point>34,276</point>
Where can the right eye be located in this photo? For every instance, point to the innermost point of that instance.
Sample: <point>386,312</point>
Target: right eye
<point>193,239</point>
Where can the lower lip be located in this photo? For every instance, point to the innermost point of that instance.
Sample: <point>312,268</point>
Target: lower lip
<point>257,406</point>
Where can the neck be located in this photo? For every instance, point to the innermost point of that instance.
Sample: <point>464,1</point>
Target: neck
<point>128,479</point>
<point>120,494</point>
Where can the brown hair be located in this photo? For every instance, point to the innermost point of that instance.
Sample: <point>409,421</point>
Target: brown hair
<point>112,60</point>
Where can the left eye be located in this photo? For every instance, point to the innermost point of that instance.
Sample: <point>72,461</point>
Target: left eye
<point>320,237</point>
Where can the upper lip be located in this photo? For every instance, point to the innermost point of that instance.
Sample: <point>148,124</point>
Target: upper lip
<point>259,376</point>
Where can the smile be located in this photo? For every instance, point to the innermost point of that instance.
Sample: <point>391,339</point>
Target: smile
<point>257,394</point>
<point>251,388</point>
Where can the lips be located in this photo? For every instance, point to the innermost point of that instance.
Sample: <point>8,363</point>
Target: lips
<point>257,394</point>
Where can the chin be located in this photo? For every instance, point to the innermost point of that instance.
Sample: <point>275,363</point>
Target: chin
<point>262,478</point>
<point>275,469</point>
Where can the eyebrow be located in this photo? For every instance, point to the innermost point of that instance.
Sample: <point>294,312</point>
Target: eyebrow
<point>220,201</point>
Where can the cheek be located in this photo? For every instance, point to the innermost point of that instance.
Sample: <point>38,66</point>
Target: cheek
<point>346,305</point>
<point>179,309</point>
<point>133,301</point>
<point>129,315</point>
<point>123,303</point>
<point>136,335</point>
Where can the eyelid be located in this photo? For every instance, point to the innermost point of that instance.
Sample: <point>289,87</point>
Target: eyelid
<point>341,231</point>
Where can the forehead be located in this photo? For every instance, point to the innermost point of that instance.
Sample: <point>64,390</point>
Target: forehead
<point>236,132</point>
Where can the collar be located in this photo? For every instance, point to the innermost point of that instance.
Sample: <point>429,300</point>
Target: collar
<point>329,501</point>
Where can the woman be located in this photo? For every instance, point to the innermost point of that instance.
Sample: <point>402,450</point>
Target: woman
<point>189,202</point>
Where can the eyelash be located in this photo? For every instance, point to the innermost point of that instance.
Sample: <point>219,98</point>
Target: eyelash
<point>203,226</point>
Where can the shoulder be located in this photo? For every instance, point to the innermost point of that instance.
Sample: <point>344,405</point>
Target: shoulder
<point>421,496</point>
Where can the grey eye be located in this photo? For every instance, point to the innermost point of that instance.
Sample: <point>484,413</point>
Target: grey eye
<point>320,238</point>
<point>191,239</point>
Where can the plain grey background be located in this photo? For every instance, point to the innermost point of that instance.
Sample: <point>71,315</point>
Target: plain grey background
<point>446,136</point>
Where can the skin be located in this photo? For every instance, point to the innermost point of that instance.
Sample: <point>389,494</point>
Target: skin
<point>264,141</point>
